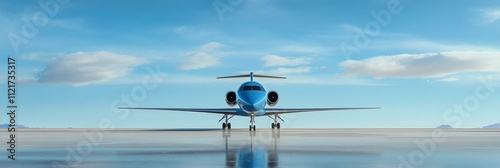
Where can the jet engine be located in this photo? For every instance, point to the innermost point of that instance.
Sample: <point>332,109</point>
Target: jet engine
<point>231,98</point>
<point>272,98</point>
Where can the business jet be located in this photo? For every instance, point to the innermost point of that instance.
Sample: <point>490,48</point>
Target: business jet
<point>251,99</point>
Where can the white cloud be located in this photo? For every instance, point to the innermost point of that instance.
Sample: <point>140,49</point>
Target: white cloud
<point>285,71</point>
<point>328,80</point>
<point>204,57</point>
<point>427,65</point>
<point>84,68</point>
<point>451,79</point>
<point>23,80</point>
<point>301,49</point>
<point>275,60</point>
<point>490,15</point>
<point>32,56</point>
<point>199,60</point>
<point>189,32</point>
<point>427,45</point>
<point>211,46</point>
<point>41,56</point>
<point>180,29</point>
<point>350,28</point>
<point>71,24</point>
<point>401,41</point>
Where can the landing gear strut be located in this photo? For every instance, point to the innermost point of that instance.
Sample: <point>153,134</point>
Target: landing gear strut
<point>276,124</point>
<point>226,124</point>
<point>252,122</point>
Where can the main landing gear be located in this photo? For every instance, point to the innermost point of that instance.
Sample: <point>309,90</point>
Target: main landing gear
<point>226,124</point>
<point>276,124</point>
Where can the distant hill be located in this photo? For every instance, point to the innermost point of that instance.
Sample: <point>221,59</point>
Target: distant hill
<point>7,126</point>
<point>444,127</point>
<point>497,125</point>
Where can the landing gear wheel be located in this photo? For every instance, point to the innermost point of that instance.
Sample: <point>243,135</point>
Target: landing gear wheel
<point>250,128</point>
<point>275,124</point>
<point>254,128</point>
<point>226,123</point>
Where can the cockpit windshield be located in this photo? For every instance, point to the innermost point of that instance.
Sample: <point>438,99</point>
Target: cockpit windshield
<point>246,88</point>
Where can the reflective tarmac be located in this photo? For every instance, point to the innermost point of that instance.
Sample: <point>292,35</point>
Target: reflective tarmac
<point>263,148</point>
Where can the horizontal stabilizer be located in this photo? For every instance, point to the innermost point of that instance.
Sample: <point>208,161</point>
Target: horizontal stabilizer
<point>251,75</point>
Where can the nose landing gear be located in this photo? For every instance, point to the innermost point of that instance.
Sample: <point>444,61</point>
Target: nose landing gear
<point>252,122</point>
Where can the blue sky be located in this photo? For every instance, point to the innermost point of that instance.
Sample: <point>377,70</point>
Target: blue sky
<point>425,63</point>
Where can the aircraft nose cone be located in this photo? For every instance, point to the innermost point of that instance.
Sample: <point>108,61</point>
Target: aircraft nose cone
<point>251,106</point>
<point>255,107</point>
<point>251,102</point>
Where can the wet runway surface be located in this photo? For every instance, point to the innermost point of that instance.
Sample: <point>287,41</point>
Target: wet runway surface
<point>262,148</point>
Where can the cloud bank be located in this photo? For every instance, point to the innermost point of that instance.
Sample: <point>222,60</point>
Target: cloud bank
<point>490,15</point>
<point>205,56</point>
<point>84,68</point>
<point>275,60</point>
<point>285,71</point>
<point>427,65</point>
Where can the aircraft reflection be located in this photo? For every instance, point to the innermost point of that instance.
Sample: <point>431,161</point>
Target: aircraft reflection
<point>260,151</point>
<point>239,148</point>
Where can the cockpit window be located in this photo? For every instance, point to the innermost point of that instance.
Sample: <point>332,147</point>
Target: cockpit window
<point>256,88</point>
<point>245,88</point>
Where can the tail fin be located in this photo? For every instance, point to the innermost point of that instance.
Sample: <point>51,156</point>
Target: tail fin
<point>251,75</point>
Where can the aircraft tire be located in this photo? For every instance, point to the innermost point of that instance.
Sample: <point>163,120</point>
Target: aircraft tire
<point>223,125</point>
<point>228,125</point>
<point>278,125</point>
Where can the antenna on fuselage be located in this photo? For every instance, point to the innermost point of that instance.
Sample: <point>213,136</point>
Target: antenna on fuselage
<point>251,75</point>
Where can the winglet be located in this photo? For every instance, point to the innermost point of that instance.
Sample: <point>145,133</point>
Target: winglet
<point>251,75</point>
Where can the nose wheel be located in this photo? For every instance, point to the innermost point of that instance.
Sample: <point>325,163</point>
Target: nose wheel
<point>252,128</point>
<point>252,122</point>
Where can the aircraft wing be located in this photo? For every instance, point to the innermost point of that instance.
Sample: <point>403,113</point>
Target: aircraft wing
<point>299,110</point>
<point>231,111</point>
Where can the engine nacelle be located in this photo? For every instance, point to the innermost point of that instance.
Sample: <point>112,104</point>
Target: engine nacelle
<point>231,98</point>
<point>272,98</point>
